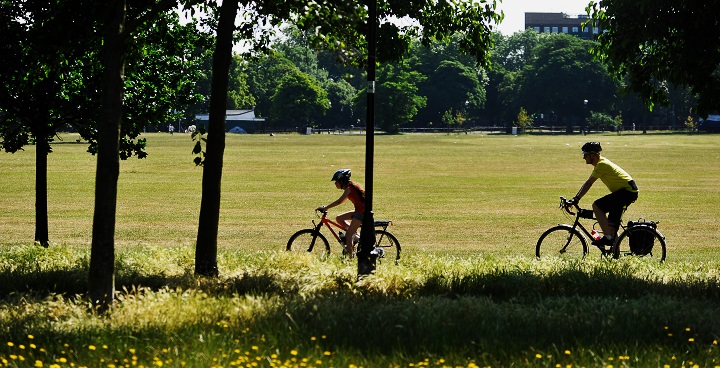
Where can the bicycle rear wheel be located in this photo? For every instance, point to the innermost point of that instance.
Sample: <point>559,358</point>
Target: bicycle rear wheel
<point>387,246</point>
<point>562,241</point>
<point>642,241</point>
<point>309,240</point>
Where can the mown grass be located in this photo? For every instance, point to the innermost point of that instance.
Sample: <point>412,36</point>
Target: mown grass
<point>467,209</point>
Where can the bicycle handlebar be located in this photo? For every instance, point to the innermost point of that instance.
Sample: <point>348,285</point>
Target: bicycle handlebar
<point>565,205</point>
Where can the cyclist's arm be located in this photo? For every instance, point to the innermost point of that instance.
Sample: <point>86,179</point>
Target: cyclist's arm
<point>337,202</point>
<point>584,188</point>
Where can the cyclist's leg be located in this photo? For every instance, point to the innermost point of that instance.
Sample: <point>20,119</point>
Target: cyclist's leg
<point>602,218</point>
<point>349,236</point>
<point>614,204</point>
<point>344,219</point>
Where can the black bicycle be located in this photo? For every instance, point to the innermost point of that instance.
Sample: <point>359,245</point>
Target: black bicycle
<point>638,238</point>
<point>311,240</point>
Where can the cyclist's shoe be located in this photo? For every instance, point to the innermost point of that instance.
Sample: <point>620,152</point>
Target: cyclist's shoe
<point>341,235</point>
<point>602,242</point>
<point>356,238</point>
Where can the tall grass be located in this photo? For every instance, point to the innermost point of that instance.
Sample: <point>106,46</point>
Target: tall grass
<point>468,292</point>
<point>271,307</point>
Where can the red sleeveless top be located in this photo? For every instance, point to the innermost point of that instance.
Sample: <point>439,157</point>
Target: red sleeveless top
<point>357,200</point>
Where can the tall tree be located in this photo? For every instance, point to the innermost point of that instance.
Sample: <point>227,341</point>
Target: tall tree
<point>298,100</point>
<point>120,22</point>
<point>206,245</point>
<point>53,80</point>
<point>47,80</point>
<point>452,86</point>
<point>398,95</point>
<point>561,77</point>
<point>652,42</point>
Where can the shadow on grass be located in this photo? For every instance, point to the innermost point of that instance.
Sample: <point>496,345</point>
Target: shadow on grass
<point>499,315</point>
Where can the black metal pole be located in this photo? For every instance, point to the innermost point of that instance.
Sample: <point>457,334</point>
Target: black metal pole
<point>366,259</point>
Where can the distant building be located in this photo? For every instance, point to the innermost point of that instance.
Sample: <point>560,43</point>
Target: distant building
<point>244,119</point>
<point>561,23</point>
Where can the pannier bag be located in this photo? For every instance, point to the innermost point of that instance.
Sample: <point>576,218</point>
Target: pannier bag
<point>641,238</point>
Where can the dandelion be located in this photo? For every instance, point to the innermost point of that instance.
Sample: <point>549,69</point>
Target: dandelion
<point>31,337</point>
<point>132,351</point>
<point>92,347</point>
<point>10,344</point>
<point>539,356</point>
<point>254,347</point>
<point>38,363</point>
<point>326,353</point>
<point>687,329</point>
<point>567,352</point>
<point>293,352</point>
<point>313,338</point>
<point>691,339</point>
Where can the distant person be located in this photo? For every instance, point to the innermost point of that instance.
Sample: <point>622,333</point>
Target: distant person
<point>351,220</point>
<point>623,190</point>
<point>171,129</point>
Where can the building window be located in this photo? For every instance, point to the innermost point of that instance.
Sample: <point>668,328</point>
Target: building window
<point>537,29</point>
<point>547,29</point>
<point>596,30</point>
<point>554,29</point>
<point>575,29</point>
<point>565,29</point>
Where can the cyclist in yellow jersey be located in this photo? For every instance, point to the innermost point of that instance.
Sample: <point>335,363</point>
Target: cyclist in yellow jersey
<point>623,191</point>
<point>351,219</point>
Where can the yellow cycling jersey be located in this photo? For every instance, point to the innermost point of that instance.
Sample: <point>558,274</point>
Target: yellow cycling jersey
<point>614,177</point>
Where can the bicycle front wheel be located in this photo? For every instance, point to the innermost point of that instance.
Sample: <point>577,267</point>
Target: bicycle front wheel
<point>309,240</point>
<point>562,241</point>
<point>642,241</point>
<point>387,246</point>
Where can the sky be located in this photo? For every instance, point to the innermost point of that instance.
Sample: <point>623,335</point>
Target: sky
<point>515,11</point>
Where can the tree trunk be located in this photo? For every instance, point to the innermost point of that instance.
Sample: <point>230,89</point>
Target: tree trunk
<point>41,208</point>
<point>206,246</point>
<point>102,253</point>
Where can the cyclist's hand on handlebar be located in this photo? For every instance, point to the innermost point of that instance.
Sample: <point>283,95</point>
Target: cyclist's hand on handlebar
<point>570,203</point>
<point>321,209</point>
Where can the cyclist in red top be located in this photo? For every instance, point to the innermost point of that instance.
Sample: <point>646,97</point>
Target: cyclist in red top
<point>351,219</point>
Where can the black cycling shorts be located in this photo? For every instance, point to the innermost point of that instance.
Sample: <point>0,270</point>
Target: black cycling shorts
<point>614,203</point>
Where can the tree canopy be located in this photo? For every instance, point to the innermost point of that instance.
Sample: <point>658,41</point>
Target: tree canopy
<point>653,44</point>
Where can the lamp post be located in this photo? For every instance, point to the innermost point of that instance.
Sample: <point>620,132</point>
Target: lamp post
<point>366,260</point>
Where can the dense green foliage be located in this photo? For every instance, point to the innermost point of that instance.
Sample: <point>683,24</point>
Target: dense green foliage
<point>549,75</point>
<point>655,45</point>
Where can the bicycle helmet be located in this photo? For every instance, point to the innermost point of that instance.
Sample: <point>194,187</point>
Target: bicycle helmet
<point>341,175</point>
<point>591,147</point>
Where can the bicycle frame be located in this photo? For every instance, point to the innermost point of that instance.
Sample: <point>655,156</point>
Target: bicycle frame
<point>589,215</point>
<point>329,224</point>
